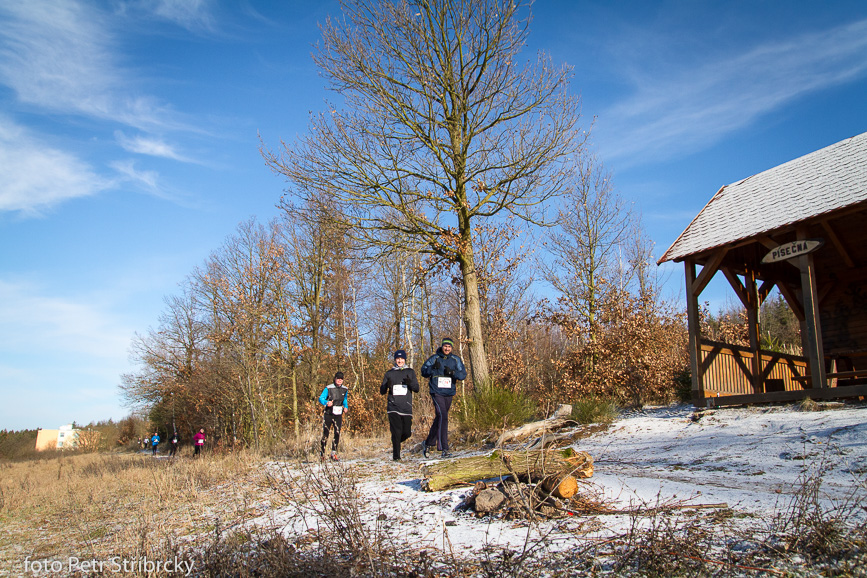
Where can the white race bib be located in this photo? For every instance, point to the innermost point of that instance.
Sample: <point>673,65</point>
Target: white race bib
<point>444,382</point>
<point>337,409</point>
<point>398,389</point>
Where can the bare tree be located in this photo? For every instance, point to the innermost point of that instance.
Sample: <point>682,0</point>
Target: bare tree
<point>588,245</point>
<point>444,126</point>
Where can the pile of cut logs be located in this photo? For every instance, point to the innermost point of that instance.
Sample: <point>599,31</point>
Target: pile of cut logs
<point>532,481</point>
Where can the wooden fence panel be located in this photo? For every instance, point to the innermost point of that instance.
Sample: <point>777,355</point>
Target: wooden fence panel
<point>727,370</point>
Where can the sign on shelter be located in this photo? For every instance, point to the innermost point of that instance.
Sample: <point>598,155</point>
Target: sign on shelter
<point>792,250</point>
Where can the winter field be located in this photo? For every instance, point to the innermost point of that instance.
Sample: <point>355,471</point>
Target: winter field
<point>760,491</point>
<point>757,477</point>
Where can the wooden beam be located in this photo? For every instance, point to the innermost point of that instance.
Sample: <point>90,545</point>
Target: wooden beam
<point>792,299</point>
<point>826,289</point>
<point>767,241</point>
<point>782,396</point>
<point>813,349</point>
<point>708,271</point>
<point>753,328</point>
<point>736,284</point>
<point>838,244</point>
<point>693,327</point>
<point>765,290</point>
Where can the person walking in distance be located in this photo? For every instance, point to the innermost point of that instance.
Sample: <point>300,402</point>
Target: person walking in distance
<point>443,368</point>
<point>155,441</point>
<point>399,384</point>
<point>198,441</point>
<point>173,445</point>
<point>335,398</point>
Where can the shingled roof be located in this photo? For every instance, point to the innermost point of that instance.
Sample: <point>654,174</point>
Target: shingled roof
<point>829,179</point>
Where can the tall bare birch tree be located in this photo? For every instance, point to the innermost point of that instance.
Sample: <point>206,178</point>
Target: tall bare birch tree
<point>443,124</point>
<point>595,227</point>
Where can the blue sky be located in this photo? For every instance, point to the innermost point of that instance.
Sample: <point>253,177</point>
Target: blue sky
<point>129,144</point>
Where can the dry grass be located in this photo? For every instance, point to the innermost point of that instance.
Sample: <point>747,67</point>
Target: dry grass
<point>134,505</point>
<point>101,505</point>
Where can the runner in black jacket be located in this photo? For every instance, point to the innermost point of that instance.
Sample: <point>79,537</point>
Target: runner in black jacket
<point>399,383</point>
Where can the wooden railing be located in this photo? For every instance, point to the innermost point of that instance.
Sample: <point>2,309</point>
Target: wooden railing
<point>728,370</point>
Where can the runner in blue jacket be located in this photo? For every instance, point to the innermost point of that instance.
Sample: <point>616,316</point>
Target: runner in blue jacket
<point>443,369</point>
<point>335,398</point>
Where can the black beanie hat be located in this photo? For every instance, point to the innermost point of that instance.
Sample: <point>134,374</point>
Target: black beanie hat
<point>338,375</point>
<point>448,341</point>
<point>400,353</point>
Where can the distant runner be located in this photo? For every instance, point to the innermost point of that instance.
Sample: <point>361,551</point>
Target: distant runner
<point>335,398</point>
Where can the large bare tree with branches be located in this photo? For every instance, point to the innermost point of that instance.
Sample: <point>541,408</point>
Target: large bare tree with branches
<point>442,125</point>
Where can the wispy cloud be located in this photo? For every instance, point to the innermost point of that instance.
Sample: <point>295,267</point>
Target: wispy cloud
<point>194,15</point>
<point>149,182</point>
<point>35,176</point>
<point>672,113</point>
<point>147,179</point>
<point>59,55</point>
<point>151,146</point>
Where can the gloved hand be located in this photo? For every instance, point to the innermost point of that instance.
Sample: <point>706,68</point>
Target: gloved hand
<point>438,365</point>
<point>449,372</point>
<point>406,380</point>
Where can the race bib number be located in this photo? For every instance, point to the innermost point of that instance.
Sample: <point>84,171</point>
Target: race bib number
<point>444,382</point>
<point>337,409</point>
<point>398,389</point>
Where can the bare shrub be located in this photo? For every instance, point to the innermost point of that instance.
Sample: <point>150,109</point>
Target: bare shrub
<point>327,497</point>
<point>819,527</point>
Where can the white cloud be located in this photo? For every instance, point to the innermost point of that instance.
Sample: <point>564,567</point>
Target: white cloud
<point>671,113</point>
<point>60,56</point>
<point>147,179</point>
<point>148,182</point>
<point>149,146</point>
<point>35,176</point>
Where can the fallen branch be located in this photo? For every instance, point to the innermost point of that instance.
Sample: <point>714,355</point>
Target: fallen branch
<point>537,428</point>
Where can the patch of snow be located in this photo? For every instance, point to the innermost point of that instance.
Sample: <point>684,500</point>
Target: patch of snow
<point>752,459</point>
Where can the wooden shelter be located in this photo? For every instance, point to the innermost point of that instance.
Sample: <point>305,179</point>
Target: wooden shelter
<point>800,227</point>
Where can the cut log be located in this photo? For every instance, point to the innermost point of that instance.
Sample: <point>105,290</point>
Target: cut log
<point>562,485</point>
<point>529,466</point>
<point>537,428</point>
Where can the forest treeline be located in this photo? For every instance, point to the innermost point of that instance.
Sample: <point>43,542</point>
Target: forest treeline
<point>254,333</point>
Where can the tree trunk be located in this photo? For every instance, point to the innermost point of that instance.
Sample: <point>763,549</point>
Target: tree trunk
<point>530,466</point>
<point>295,401</point>
<point>473,320</point>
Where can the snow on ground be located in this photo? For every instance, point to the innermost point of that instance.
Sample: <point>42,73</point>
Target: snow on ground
<point>753,459</point>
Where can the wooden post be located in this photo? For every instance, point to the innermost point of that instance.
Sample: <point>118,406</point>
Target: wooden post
<point>815,352</point>
<point>752,305</point>
<point>694,329</point>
